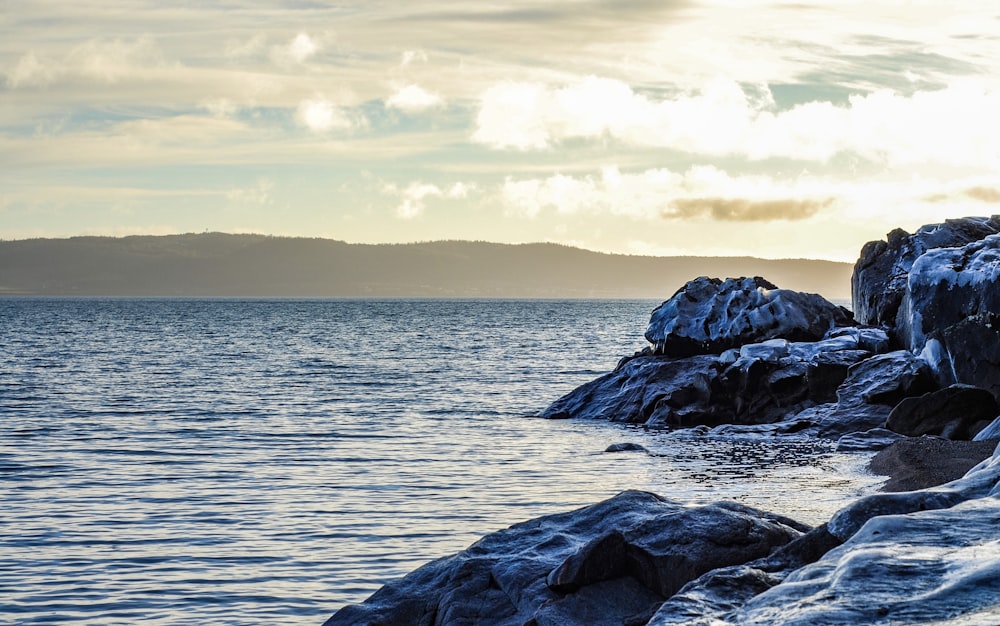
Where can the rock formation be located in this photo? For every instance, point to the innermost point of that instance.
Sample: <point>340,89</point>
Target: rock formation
<point>709,316</point>
<point>741,355</point>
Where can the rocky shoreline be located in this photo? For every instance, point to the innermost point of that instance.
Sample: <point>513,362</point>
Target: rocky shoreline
<point>914,373</point>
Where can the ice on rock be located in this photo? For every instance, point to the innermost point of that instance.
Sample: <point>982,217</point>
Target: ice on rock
<point>710,316</point>
<point>930,556</point>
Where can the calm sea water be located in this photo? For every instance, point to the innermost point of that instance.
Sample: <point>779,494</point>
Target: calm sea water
<point>251,462</point>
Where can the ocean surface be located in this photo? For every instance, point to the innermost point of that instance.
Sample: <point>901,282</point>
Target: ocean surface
<point>172,461</point>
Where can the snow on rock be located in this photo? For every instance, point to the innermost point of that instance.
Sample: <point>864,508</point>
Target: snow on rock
<point>929,556</point>
<point>881,273</point>
<point>947,285</point>
<point>710,316</point>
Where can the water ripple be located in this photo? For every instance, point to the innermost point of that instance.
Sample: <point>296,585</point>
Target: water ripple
<point>231,462</point>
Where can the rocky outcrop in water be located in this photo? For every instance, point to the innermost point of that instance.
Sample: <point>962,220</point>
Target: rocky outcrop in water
<point>611,563</point>
<point>742,356</point>
<point>927,556</point>
<point>710,316</point>
<point>743,352</point>
<point>882,271</point>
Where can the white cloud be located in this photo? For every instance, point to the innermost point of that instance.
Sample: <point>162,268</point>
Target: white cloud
<point>302,47</point>
<point>105,60</point>
<point>320,115</point>
<point>298,51</point>
<point>413,98</point>
<point>220,107</point>
<point>953,125</point>
<point>409,57</point>
<point>413,200</point>
<point>30,70</point>
<point>702,191</point>
<point>259,193</point>
<point>236,48</point>
<point>111,61</point>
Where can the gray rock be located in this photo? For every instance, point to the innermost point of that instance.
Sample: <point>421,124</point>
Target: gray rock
<point>597,565</point>
<point>971,352</point>
<point>980,481</point>
<point>646,389</point>
<point>946,285</point>
<point>867,441</point>
<point>936,566</point>
<point>872,388</point>
<point>763,384</point>
<point>710,316</point>
<point>707,599</point>
<point>955,412</point>
<point>882,270</point>
<point>992,431</point>
<point>625,447</point>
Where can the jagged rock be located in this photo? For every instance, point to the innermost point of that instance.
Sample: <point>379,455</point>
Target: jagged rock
<point>947,285</point>
<point>882,270</point>
<point>971,351</point>
<point>982,480</point>
<point>939,566</point>
<point>992,431</point>
<point>645,389</point>
<point>760,384</point>
<point>705,600</point>
<point>710,316</point>
<point>625,447</point>
<point>867,441</point>
<point>872,388</point>
<point>597,565</point>
<point>955,412</point>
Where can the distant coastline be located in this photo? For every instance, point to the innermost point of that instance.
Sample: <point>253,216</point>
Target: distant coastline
<point>229,265</point>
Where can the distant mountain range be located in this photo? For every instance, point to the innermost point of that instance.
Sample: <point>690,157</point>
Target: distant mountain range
<point>224,265</point>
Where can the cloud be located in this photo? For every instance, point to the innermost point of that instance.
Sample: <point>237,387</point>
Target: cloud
<point>702,191</point>
<point>236,48</point>
<point>746,210</point>
<point>984,194</point>
<point>30,70</point>
<point>259,193</point>
<point>954,125</point>
<point>409,57</point>
<point>111,61</point>
<point>414,197</point>
<point>413,98</point>
<point>320,115</point>
<point>300,49</point>
<point>105,60</point>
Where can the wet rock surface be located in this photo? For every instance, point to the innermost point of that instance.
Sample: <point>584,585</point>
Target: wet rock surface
<point>883,267</point>
<point>742,357</point>
<point>955,412</point>
<point>605,563</point>
<point>710,316</point>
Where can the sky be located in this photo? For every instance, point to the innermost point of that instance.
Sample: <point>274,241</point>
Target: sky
<point>705,127</point>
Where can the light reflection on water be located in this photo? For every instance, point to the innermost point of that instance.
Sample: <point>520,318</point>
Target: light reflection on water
<point>202,462</point>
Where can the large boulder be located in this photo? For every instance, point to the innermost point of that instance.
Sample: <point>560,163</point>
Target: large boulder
<point>759,383</point>
<point>927,556</point>
<point>710,316</point>
<point>872,388</point>
<point>603,564</point>
<point>882,271</point>
<point>947,285</point>
<point>938,566</point>
<point>970,352</point>
<point>955,412</point>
